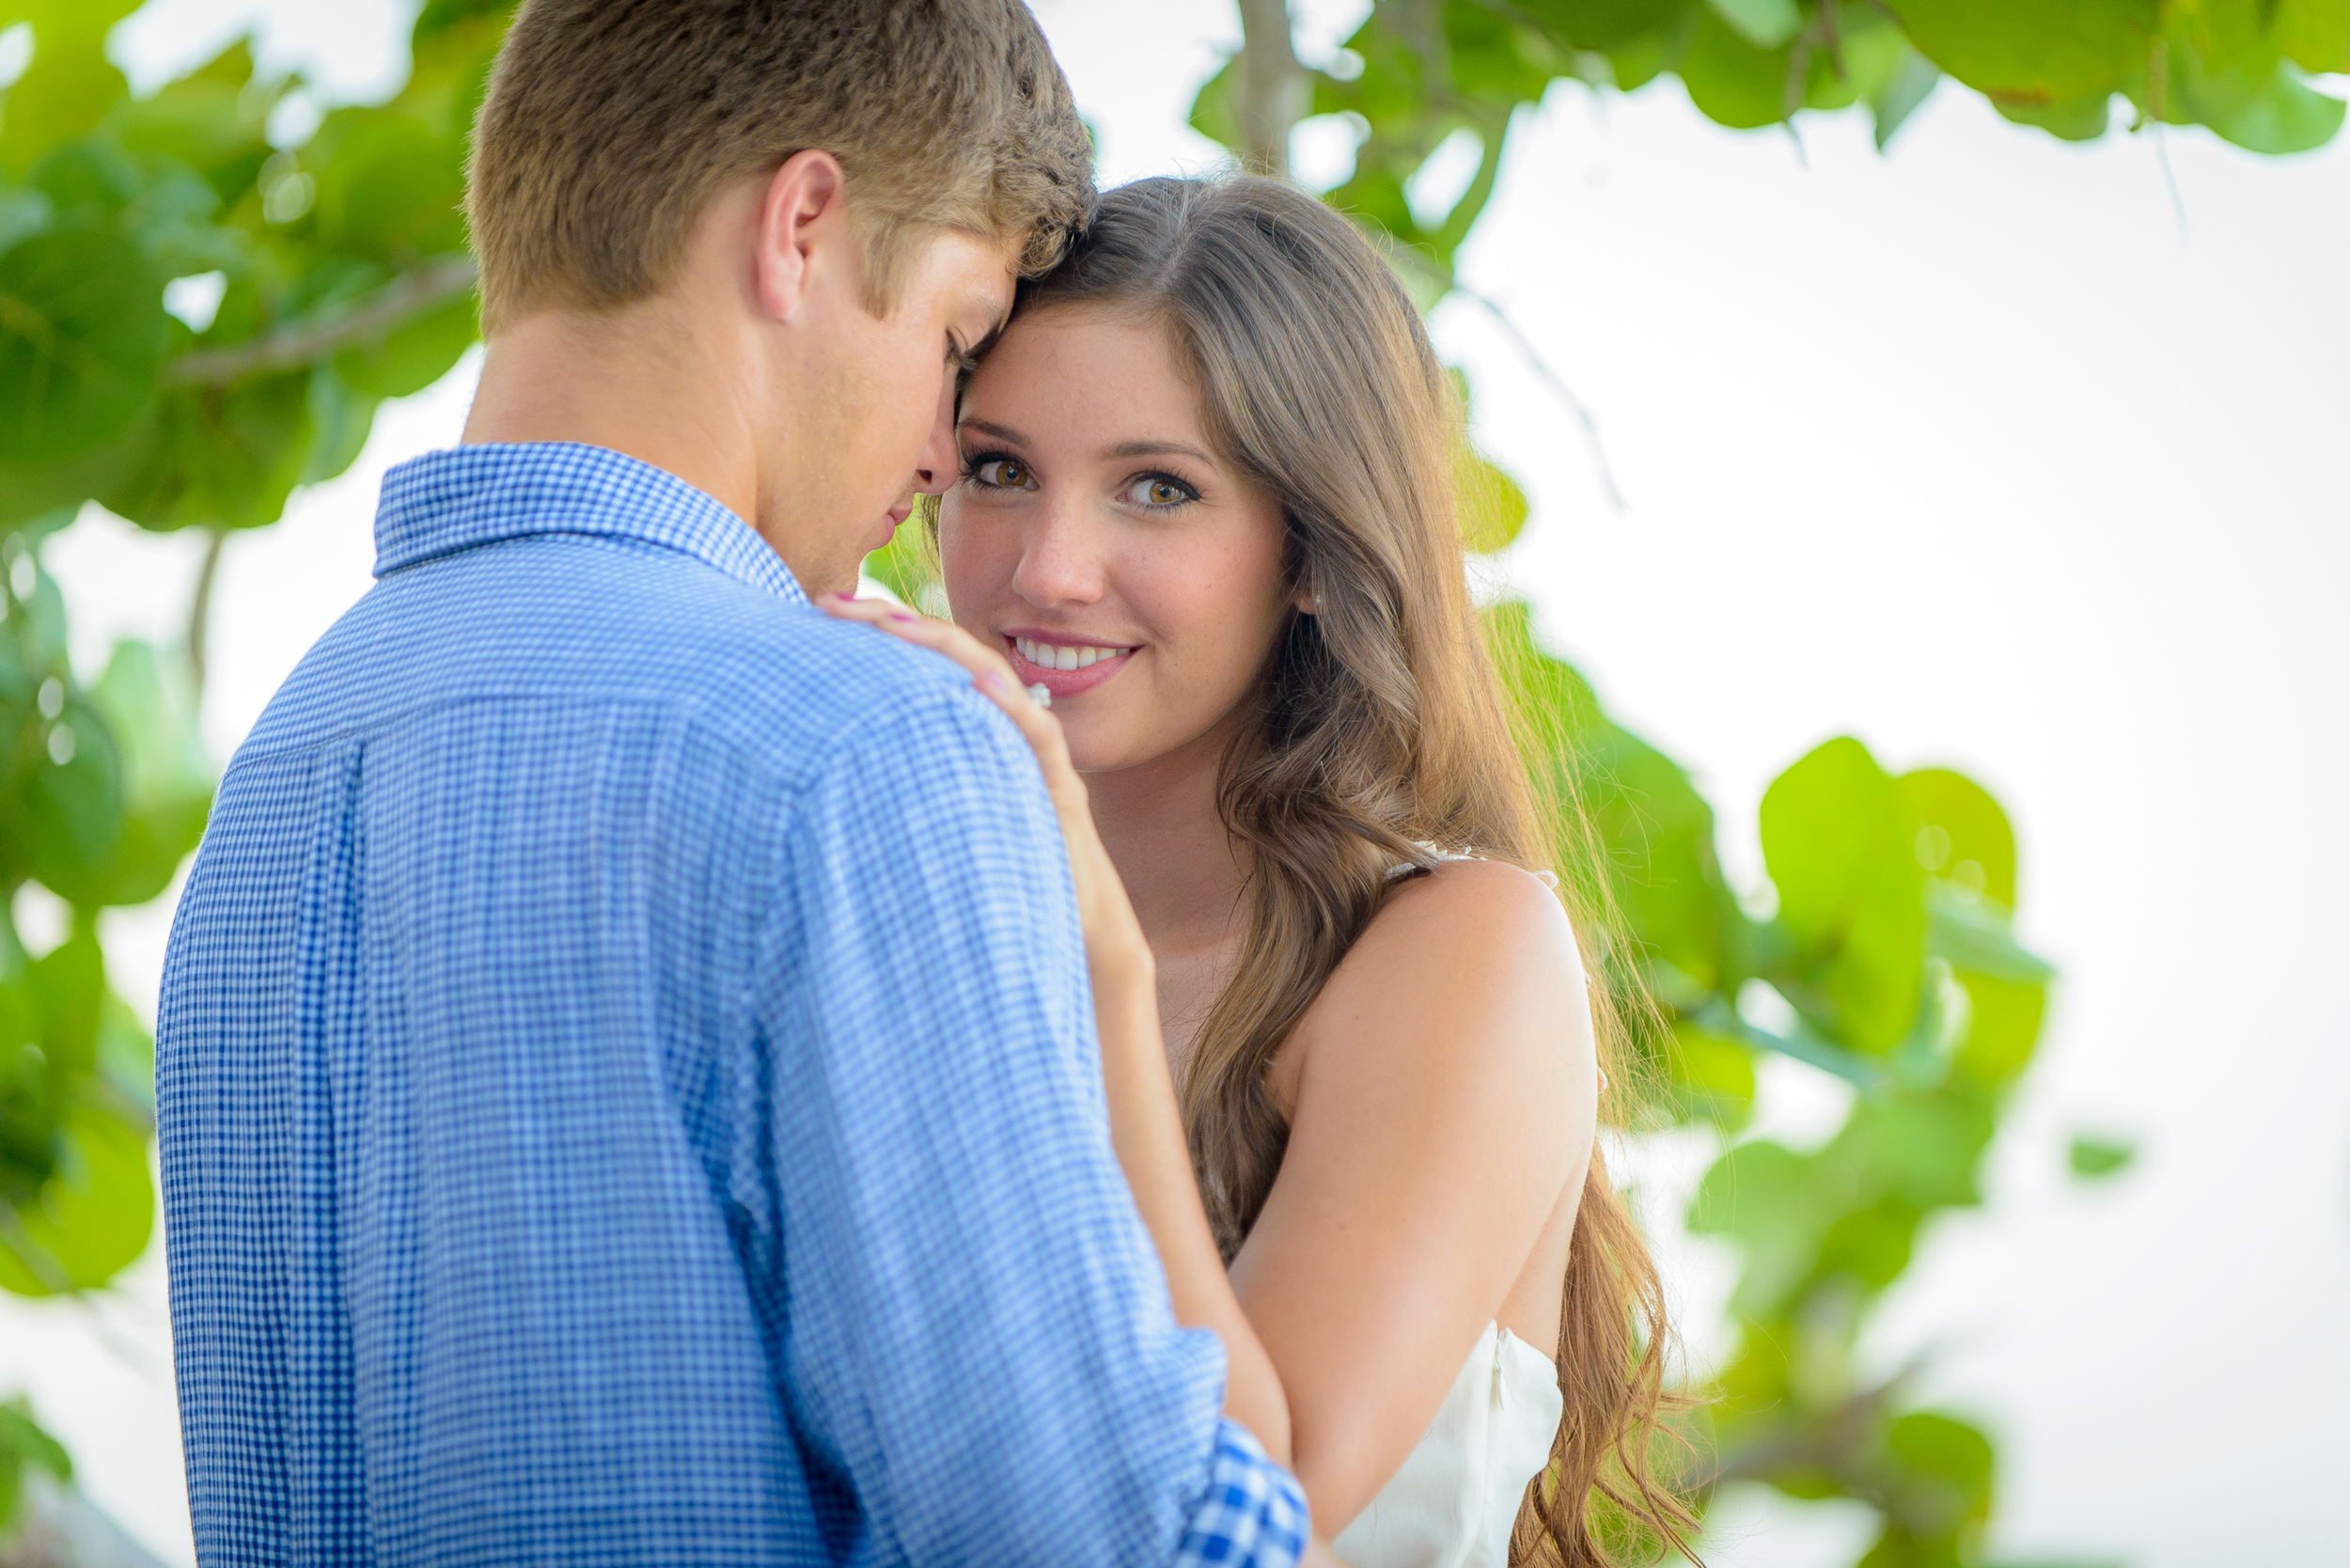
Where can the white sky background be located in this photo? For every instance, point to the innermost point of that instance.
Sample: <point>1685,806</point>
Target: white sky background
<point>1968,451</point>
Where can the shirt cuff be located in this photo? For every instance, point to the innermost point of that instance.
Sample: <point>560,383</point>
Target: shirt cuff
<point>1251,1515</point>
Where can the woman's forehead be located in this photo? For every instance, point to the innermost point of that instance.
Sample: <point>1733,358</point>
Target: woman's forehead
<point>1097,376</point>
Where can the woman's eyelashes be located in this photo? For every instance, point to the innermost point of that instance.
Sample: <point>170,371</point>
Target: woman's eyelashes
<point>1157,491</point>
<point>998,471</point>
<point>1152,491</point>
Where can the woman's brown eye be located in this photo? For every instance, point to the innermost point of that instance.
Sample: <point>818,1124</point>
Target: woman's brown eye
<point>1005,474</point>
<point>1164,494</point>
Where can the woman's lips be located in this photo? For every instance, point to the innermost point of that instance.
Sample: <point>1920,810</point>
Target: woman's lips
<point>1064,683</point>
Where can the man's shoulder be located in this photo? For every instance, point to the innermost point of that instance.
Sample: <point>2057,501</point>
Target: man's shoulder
<point>572,619</point>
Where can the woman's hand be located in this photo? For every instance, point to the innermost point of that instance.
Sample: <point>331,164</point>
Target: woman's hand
<point>1115,949</point>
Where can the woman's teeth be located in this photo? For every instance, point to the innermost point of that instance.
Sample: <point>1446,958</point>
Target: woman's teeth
<point>1047,655</point>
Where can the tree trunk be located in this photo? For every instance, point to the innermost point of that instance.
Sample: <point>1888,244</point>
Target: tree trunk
<point>1272,92</point>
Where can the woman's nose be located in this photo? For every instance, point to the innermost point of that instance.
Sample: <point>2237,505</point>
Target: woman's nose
<point>1060,564</point>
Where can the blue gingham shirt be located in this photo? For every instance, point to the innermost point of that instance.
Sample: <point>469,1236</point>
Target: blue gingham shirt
<point>628,1093</point>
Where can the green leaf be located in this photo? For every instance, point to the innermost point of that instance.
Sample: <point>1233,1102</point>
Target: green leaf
<point>93,1217</point>
<point>1903,90</point>
<point>1919,1150</point>
<point>218,457</point>
<point>23,211</point>
<point>24,1443</point>
<point>2093,1158</point>
<point>2220,35</point>
<point>388,187</point>
<point>1761,1196</point>
<point>81,329</point>
<point>1213,115</point>
<point>1946,1469</point>
<point>213,118</point>
<point>2261,105</point>
<point>23,1440</point>
<point>69,86</point>
<point>341,417</point>
<point>153,198</point>
<point>1712,1076</point>
<point>1492,509</point>
<point>2083,120</point>
<point>1764,23</point>
<point>67,988</point>
<point>2313,34</point>
<point>69,802</point>
<point>1871,1245</point>
<point>148,705</point>
<point>1840,846</point>
<point>414,355</point>
<point>1636,836</point>
<point>2030,52</point>
<point>1732,81</point>
<point>2002,1027</point>
<point>1607,24</point>
<point>1963,835</point>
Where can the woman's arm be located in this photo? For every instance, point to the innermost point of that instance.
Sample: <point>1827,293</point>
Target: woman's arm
<point>1443,1097</point>
<point>1146,1124</point>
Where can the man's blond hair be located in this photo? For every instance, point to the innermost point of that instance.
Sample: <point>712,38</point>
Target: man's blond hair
<point>610,125</point>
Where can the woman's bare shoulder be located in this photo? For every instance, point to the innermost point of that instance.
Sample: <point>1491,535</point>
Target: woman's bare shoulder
<point>1470,922</point>
<point>1470,968</point>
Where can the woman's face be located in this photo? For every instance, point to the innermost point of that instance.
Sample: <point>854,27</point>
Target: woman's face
<point>1100,543</point>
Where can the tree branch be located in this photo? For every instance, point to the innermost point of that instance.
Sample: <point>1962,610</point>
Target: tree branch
<point>409,295</point>
<point>1271,87</point>
<point>1551,379</point>
<point>1828,1443</point>
<point>200,608</point>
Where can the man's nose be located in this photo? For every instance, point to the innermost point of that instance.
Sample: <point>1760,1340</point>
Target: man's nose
<point>941,464</point>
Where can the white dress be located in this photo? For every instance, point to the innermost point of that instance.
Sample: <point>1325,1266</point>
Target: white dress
<point>1455,1500</point>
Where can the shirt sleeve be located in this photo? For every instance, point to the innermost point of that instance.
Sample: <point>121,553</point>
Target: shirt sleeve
<point>980,1353</point>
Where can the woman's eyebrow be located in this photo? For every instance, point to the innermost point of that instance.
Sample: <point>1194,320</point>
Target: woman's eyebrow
<point>1156,448</point>
<point>1000,432</point>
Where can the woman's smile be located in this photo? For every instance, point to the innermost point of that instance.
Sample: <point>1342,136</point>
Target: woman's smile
<point>1062,664</point>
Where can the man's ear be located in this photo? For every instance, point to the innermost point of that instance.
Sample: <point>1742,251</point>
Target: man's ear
<point>804,207</point>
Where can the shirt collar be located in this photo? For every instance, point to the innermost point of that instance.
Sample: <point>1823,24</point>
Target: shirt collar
<point>452,500</point>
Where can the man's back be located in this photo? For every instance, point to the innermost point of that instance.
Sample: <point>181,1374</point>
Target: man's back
<point>619,1040</point>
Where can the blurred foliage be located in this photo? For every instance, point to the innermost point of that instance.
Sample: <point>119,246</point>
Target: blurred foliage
<point>24,1446</point>
<point>1891,958</point>
<point>1417,73</point>
<point>195,316</point>
<point>205,292</point>
<point>1888,957</point>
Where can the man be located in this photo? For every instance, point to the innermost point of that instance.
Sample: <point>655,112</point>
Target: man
<point>626,1081</point>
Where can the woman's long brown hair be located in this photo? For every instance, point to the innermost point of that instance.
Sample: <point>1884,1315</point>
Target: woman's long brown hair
<point>1383,734</point>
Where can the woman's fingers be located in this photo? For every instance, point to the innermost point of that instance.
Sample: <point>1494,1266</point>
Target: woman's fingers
<point>994,677</point>
<point>942,636</point>
<point>1111,932</point>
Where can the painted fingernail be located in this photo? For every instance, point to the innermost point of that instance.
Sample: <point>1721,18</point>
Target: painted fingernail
<point>899,614</point>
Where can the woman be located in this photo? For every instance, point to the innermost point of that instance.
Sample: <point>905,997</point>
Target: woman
<point>1207,505</point>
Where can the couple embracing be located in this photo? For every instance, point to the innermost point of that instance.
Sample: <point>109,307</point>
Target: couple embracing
<point>664,1061</point>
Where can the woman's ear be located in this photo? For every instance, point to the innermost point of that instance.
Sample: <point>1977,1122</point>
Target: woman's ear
<point>1306,601</point>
